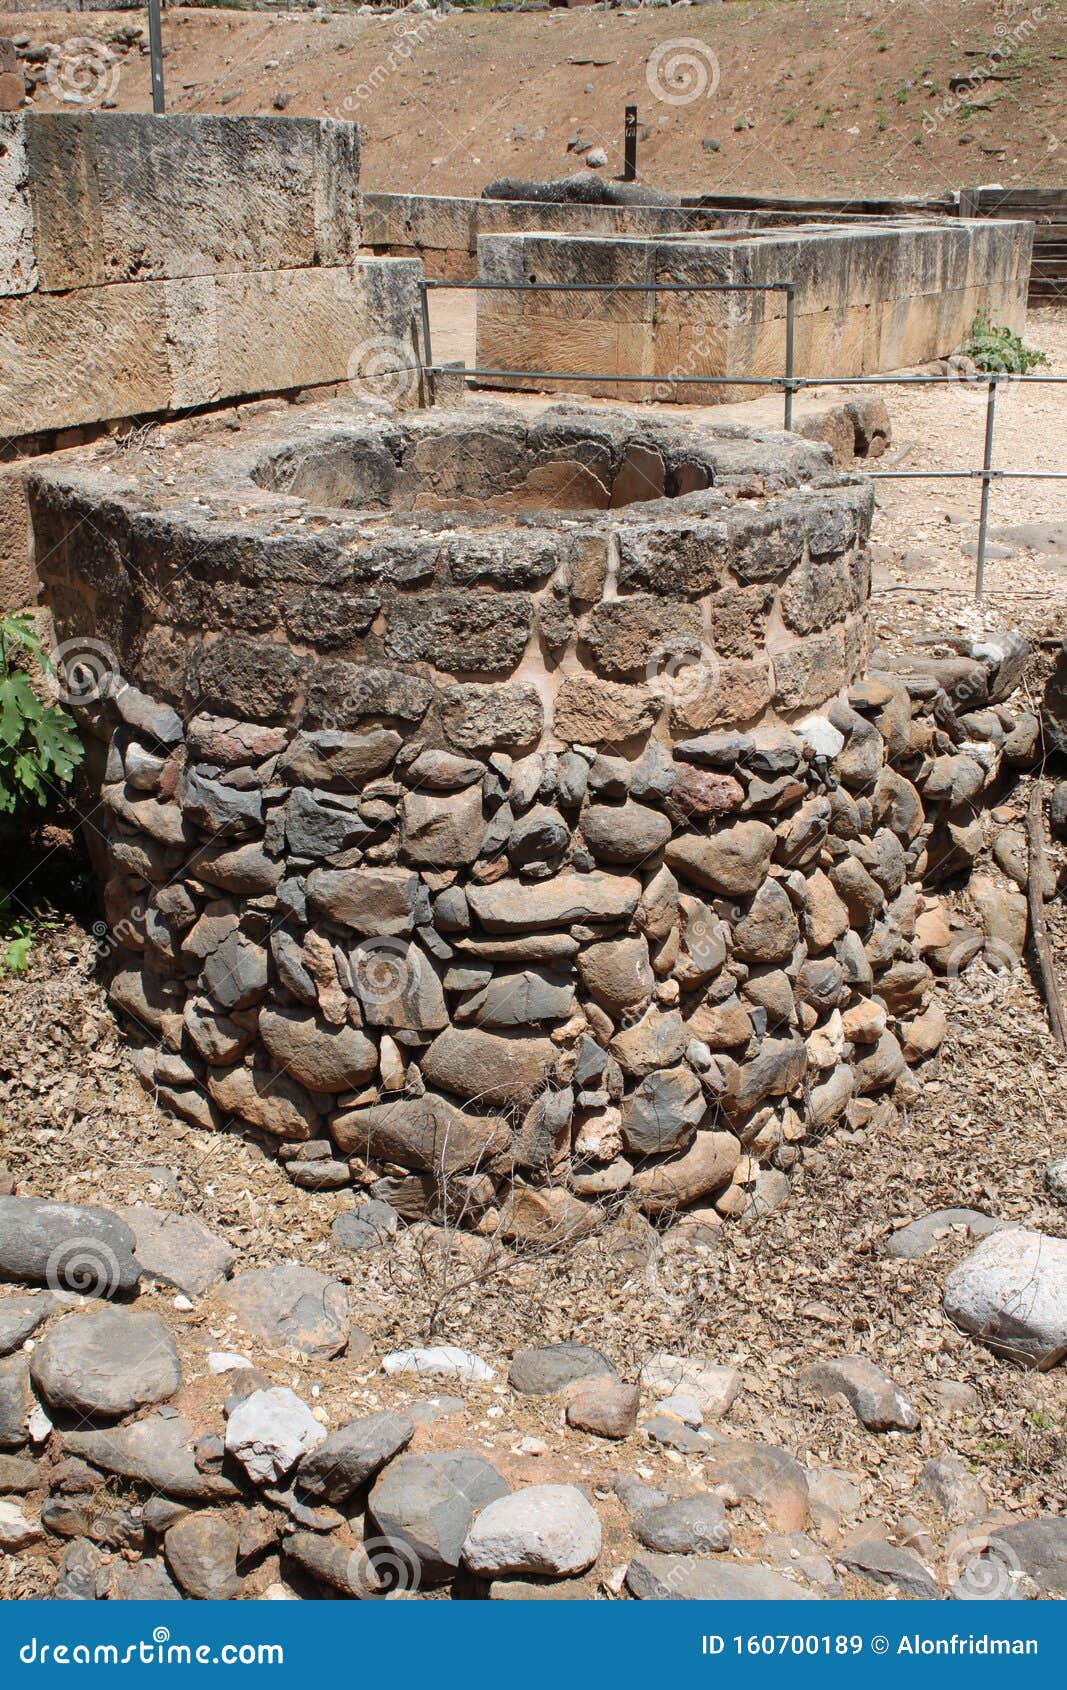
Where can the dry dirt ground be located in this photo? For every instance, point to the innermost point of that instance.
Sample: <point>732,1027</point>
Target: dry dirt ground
<point>799,96</point>
<point>810,1281</point>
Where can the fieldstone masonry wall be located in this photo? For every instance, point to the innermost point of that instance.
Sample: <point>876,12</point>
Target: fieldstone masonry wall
<point>493,812</point>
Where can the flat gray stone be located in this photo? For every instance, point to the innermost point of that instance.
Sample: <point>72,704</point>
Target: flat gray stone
<point>541,1373</point>
<point>178,1250</point>
<point>1039,1547</point>
<point>921,1236</point>
<point>669,1433</point>
<point>424,1506</point>
<point>142,1581</point>
<point>18,1475</point>
<point>694,1525</point>
<point>369,1227</point>
<point>153,1452</point>
<point>16,1402</point>
<point>685,1578</point>
<point>21,1315</point>
<point>293,1309</point>
<point>885,1563</point>
<point>66,1246</point>
<point>873,1397</point>
<point>103,1366</point>
<point>353,1455</point>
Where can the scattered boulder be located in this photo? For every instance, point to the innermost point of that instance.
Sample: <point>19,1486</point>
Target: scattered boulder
<point>543,1372</point>
<point>154,1452</point>
<point>884,1563</point>
<point>713,1387</point>
<point>603,1406</point>
<point>178,1250</point>
<point>682,1578</point>
<point>66,1246</point>
<point>876,1401</point>
<point>20,1316</point>
<point>201,1555</point>
<point>103,1366</point>
<point>295,1309</point>
<point>353,1455</point>
<point>550,1530</point>
<point>439,1361</point>
<point>695,1525</point>
<point>1011,1293</point>
<point>424,1506</point>
<point>270,1431</point>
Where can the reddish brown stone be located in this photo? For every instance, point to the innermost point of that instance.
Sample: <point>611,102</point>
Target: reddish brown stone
<point>702,792</point>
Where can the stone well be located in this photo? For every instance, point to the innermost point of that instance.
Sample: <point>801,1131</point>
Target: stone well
<point>493,817</point>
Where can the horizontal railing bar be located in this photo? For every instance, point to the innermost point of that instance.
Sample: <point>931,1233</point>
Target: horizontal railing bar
<point>612,287</point>
<point>753,381</point>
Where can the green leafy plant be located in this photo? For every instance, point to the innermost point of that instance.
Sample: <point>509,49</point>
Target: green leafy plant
<point>16,940</point>
<point>998,348</point>
<point>39,748</point>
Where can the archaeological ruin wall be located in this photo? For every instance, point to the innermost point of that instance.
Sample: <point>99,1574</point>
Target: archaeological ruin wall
<point>150,266</point>
<point>868,299</point>
<point>494,811</point>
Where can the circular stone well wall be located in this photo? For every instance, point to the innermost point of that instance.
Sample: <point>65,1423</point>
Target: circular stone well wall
<point>488,821</point>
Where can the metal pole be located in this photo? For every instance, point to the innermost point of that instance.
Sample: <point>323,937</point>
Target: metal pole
<point>629,167</point>
<point>155,53</point>
<point>790,301</point>
<point>427,352</point>
<point>987,465</point>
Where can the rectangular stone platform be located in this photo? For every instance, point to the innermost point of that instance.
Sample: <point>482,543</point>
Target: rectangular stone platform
<point>868,299</point>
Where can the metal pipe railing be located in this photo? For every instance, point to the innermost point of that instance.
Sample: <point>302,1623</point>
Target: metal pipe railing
<point>788,383</point>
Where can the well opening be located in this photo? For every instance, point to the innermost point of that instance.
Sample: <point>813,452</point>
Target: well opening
<point>453,465</point>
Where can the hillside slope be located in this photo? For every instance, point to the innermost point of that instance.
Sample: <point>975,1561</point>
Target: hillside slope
<point>787,96</point>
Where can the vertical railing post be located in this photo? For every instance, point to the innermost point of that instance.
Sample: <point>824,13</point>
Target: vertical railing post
<point>987,465</point>
<point>427,351</point>
<point>790,300</point>
<point>155,53</point>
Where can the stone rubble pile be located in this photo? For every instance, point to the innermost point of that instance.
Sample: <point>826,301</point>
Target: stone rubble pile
<point>120,1480</point>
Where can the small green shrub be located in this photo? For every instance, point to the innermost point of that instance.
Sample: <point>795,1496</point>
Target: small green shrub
<point>996,348</point>
<point>39,749</point>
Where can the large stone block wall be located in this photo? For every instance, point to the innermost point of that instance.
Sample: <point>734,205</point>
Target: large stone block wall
<point>442,230</point>
<point>152,265</point>
<point>867,300</point>
<point>454,837</point>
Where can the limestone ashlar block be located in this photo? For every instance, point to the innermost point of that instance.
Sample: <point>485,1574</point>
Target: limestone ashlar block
<point>867,299</point>
<point>18,263</point>
<point>137,348</point>
<point>119,196</point>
